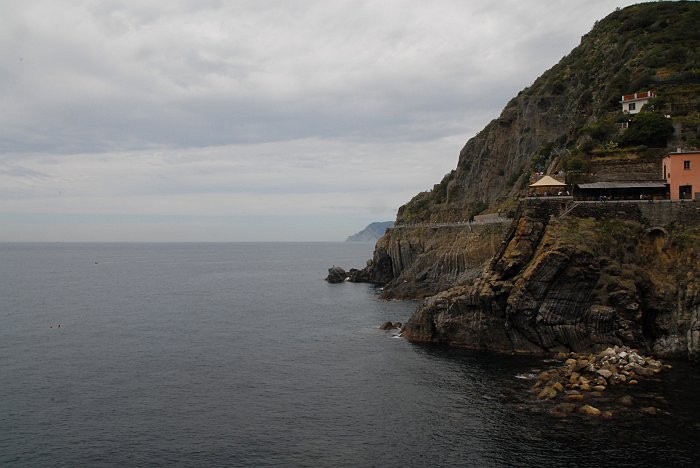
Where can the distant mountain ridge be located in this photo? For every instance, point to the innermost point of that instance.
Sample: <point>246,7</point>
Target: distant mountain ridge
<point>372,232</point>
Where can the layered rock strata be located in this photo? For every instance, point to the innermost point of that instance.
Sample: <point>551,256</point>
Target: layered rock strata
<point>415,262</point>
<point>568,283</point>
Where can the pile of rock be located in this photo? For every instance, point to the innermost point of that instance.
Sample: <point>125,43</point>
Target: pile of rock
<point>593,374</point>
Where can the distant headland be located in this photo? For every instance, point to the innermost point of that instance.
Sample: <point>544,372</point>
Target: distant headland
<point>372,232</point>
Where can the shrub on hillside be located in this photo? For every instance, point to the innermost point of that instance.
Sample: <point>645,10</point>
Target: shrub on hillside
<point>648,128</point>
<point>601,131</point>
<point>577,164</point>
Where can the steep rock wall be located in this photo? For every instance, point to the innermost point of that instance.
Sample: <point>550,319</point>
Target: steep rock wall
<point>576,284</point>
<point>414,262</point>
<point>564,110</point>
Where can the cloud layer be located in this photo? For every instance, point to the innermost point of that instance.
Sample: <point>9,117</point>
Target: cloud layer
<point>199,112</point>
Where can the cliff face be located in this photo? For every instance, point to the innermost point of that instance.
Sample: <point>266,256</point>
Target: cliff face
<point>596,277</point>
<point>417,262</point>
<point>574,283</point>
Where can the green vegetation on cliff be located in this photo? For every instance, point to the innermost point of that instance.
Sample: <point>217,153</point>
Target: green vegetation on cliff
<point>571,115</point>
<point>630,255</point>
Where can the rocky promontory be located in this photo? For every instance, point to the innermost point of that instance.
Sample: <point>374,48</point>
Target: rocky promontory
<point>566,275</point>
<point>562,284</point>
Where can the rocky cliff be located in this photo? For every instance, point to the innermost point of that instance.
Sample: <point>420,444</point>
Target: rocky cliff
<point>415,262</point>
<point>594,277</point>
<point>571,114</point>
<point>576,283</point>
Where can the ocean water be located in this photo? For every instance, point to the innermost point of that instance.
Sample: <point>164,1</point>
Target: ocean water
<point>241,355</point>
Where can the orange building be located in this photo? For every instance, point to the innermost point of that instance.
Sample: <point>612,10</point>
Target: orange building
<point>681,171</point>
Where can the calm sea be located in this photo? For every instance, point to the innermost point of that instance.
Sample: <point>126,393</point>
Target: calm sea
<point>241,355</point>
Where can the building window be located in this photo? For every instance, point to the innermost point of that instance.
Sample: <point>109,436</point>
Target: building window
<point>686,165</point>
<point>685,192</point>
<point>633,106</point>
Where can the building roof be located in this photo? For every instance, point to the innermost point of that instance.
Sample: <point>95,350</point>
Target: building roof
<point>623,185</point>
<point>548,181</point>
<point>638,96</point>
<point>681,153</point>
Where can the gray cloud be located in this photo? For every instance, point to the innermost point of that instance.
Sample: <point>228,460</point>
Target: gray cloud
<point>103,75</point>
<point>224,108</point>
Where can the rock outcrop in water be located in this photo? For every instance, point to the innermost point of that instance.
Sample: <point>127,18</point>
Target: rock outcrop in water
<point>336,275</point>
<point>390,326</point>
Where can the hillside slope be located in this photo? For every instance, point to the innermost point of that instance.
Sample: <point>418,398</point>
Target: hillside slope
<point>575,106</point>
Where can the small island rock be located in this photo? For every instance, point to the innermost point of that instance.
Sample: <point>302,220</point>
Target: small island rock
<point>336,275</point>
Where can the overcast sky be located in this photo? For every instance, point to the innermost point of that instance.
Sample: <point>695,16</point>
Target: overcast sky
<point>205,120</point>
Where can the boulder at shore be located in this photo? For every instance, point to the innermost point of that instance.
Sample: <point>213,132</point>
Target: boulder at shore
<point>336,275</point>
<point>390,326</point>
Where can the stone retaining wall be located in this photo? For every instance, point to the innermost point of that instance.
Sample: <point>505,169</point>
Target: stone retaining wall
<point>632,170</point>
<point>658,213</point>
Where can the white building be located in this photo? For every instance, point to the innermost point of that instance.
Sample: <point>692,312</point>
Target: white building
<point>633,103</point>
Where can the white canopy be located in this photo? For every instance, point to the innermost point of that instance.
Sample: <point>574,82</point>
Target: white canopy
<point>548,181</point>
